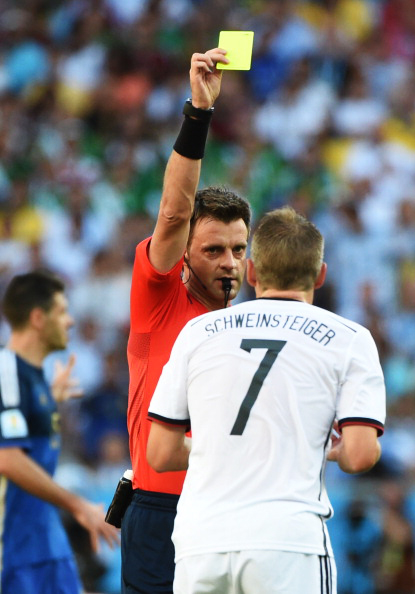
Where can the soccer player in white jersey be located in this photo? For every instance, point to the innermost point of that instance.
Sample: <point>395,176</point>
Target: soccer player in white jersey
<point>272,389</point>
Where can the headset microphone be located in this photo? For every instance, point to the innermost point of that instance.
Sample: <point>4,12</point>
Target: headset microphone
<point>195,275</point>
<point>226,286</point>
<point>226,283</point>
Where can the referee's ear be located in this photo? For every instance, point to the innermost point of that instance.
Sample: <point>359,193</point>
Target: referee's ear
<point>321,276</point>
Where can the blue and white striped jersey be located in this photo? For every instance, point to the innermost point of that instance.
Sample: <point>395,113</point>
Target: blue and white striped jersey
<point>31,530</point>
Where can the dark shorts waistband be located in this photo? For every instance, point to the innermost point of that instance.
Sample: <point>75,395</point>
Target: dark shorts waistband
<point>155,499</point>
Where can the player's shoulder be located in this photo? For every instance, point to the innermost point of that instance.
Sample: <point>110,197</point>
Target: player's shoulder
<point>10,378</point>
<point>8,362</point>
<point>342,322</point>
<point>261,306</point>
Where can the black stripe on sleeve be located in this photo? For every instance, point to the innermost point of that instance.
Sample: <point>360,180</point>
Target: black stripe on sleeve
<point>362,421</point>
<point>166,421</point>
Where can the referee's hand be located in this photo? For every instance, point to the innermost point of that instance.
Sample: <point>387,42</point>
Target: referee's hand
<point>205,78</point>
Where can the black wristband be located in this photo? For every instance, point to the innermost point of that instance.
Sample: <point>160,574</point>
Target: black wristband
<point>205,115</point>
<point>192,137</point>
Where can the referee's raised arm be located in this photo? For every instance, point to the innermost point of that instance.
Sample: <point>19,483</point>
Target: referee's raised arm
<point>183,168</point>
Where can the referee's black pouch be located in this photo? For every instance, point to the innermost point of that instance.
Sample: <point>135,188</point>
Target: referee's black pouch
<point>121,500</point>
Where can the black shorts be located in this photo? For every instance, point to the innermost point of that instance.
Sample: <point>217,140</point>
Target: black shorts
<point>147,551</point>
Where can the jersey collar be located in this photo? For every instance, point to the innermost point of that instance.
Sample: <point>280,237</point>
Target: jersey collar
<point>280,299</point>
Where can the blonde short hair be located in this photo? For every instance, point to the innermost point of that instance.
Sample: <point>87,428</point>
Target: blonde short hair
<point>287,251</point>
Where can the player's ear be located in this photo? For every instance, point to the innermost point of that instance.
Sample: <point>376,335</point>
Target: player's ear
<point>251,273</point>
<point>321,276</point>
<point>37,317</point>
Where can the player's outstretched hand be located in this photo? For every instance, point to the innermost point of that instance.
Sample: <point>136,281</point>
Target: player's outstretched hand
<point>92,517</point>
<point>205,78</point>
<point>64,386</point>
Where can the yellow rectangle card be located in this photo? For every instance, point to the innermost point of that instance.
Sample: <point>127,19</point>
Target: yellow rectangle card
<point>238,45</point>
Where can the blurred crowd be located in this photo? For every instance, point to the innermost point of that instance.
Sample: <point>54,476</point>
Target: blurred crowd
<point>91,93</point>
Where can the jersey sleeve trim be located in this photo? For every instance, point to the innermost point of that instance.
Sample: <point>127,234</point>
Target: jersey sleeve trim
<point>362,421</point>
<point>166,421</point>
<point>24,444</point>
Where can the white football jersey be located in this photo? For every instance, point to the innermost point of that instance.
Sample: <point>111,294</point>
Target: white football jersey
<point>261,383</point>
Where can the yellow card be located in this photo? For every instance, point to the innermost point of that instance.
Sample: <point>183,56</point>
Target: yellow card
<point>238,45</point>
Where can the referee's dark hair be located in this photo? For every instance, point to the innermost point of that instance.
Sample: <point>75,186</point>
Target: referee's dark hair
<point>220,204</point>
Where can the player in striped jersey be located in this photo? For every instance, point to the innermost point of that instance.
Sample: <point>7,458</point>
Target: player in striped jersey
<point>272,389</point>
<point>35,555</point>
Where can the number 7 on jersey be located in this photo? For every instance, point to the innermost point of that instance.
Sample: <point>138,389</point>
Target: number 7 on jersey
<point>274,348</point>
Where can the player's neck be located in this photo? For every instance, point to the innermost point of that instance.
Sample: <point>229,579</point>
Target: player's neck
<point>27,348</point>
<point>305,296</point>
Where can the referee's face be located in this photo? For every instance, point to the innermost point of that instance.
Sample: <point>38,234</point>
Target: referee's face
<point>217,251</point>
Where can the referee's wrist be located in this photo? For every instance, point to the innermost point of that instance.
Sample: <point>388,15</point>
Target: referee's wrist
<point>191,140</point>
<point>198,113</point>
